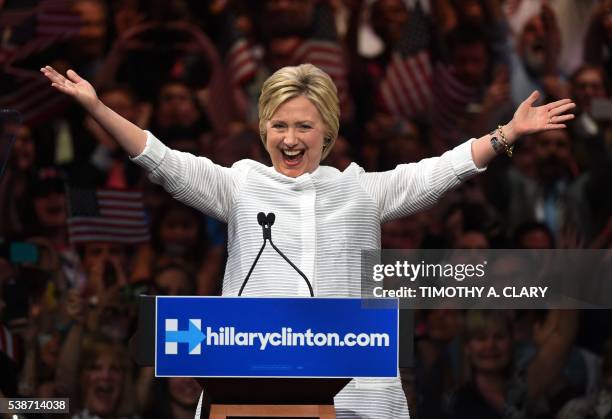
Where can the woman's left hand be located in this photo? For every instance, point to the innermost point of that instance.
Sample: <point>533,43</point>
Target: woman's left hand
<point>529,119</point>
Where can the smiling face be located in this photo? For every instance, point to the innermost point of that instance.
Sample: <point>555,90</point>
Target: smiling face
<point>470,62</point>
<point>103,384</point>
<point>552,153</point>
<point>490,350</point>
<point>97,253</point>
<point>295,137</point>
<point>587,85</point>
<point>532,44</point>
<point>178,231</point>
<point>50,209</point>
<point>92,34</point>
<point>24,149</point>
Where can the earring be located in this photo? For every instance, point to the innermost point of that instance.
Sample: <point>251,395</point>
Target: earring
<point>326,143</point>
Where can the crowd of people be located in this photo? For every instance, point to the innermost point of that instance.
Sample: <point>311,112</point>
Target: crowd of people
<point>414,79</point>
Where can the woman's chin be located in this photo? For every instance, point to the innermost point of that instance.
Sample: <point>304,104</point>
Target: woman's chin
<point>294,169</point>
<point>292,172</point>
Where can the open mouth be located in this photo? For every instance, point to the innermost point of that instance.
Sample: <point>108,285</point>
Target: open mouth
<point>539,46</point>
<point>292,156</point>
<point>104,392</point>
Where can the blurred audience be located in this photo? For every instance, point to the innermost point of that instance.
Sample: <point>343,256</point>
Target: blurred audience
<point>414,79</point>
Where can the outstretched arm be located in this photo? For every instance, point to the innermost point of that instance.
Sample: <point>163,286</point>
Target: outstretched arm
<point>410,188</point>
<point>195,181</point>
<point>554,339</point>
<point>128,135</point>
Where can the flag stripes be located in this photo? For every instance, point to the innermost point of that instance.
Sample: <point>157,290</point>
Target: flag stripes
<point>107,215</point>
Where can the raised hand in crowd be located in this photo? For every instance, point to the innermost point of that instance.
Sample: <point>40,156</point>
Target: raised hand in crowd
<point>213,97</point>
<point>107,277</point>
<point>552,37</point>
<point>448,14</point>
<point>554,338</point>
<point>495,105</point>
<point>127,42</point>
<point>554,86</point>
<point>76,306</point>
<point>498,92</point>
<point>599,34</point>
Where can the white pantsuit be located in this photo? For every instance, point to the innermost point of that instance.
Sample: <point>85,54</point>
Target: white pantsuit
<point>323,221</point>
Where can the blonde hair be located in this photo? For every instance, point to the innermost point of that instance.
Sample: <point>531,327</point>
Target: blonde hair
<point>476,323</point>
<point>480,321</point>
<point>303,80</point>
<point>93,347</point>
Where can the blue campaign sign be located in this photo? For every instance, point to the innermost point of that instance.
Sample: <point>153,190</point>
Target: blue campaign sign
<point>275,337</point>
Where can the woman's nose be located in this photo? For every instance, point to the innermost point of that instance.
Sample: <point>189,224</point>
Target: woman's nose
<point>290,139</point>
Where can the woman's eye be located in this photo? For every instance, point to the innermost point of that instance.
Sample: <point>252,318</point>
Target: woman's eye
<point>305,127</point>
<point>278,125</point>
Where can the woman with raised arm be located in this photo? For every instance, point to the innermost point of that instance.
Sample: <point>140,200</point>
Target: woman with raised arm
<point>324,217</point>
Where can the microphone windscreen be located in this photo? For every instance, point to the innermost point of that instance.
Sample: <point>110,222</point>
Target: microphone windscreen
<point>271,218</point>
<point>261,218</point>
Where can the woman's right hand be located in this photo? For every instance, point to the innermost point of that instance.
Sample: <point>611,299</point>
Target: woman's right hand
<point>131,138</point>
<point>74,85</point>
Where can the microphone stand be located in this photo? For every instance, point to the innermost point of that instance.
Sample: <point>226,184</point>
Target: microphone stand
<point>266,223</point>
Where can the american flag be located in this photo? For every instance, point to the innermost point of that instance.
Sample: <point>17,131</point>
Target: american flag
<point>406,90</point>
<point>34,98</point>
<point>242,55</point>
<point>320,48</point>
<point>107,215</point>
<point>323,50</point>
<point>36,26</point>
<point>55,18</point>
<point>243,59</point>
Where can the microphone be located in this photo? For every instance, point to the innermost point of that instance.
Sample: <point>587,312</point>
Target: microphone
<point>261,218</point>
<point>262,221</point>
<point>266,222</point>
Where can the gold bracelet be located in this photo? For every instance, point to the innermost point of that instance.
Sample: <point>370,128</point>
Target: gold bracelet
<point>509,148</point>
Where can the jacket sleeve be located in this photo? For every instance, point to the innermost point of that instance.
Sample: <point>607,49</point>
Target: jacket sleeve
<point>195,181</point>
<point>412,187</point>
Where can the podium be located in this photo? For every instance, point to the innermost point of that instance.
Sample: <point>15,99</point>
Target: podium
<point>268,357</point>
